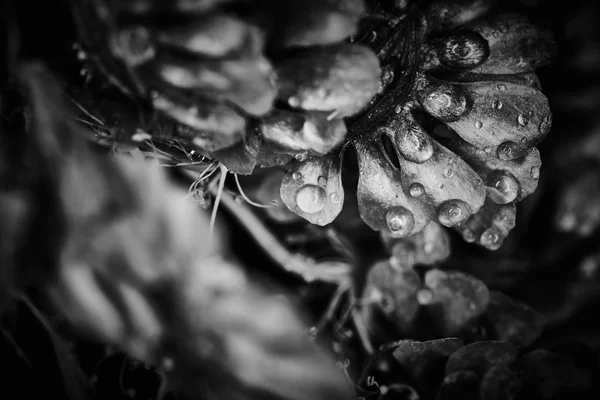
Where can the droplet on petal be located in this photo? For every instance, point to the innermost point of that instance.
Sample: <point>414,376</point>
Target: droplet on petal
<point>507,151</point>
<point>502,188</point>
<point>445,102</point>
<point>311,199</point>
<point>416,189</point>
<point>400,221</point>
<point>453,212</point>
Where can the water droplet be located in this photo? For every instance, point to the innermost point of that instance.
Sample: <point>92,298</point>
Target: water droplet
<point>296,176</point>
<point>279,161</point>
<point>414,144</point>
<point>468,236</point>
<point>488,150</point>
<point>334,197</point>
<point>507,151</point>
<point>478,124</point>
<point>322,181</point>
<point>523,120</point>
<point>503,188</point>
<point>428,248</point>
<point>490,238</point>
<point>497,104</point>
<point>453,212</point>
<point>294,101</point>
<point>530,114</point>
<point>446,103</point>
<point>400,221</point>
<point>311,199</point>
<point>372,36</point>
<point>535,172</point>
<point>501,87</point>
<point>301,156</point>
<point>448,172</point>
<point>416,189</point>
<point>424,296</point>
<point>320,221</point>
<point>441,185</point>
<point>496,34</point>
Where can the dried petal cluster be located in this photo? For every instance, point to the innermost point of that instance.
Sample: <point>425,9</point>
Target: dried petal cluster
<point>450,136</point>
<point>265,80</point>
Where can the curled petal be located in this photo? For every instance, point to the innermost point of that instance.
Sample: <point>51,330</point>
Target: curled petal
<point>505,119</point>
<point>216,36</point>
<point>445,181</point>
<point>340,78</point>
<point>242,157</point>
<point>208,125</point>
<point>428,247</point>
<point>423,358</point>
<point>303,131</point>
<point>480,356</point>
<point>457,298</point>
<point>382,201</point>
<point>313,189</point>
<point>247,83</point>
<point>450,13</point>
<point>490,226</point>
<point>506,180</point>
<point>396,291</point>
<point>515,45</point>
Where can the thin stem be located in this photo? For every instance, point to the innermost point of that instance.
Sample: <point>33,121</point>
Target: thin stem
<point>221,187</point>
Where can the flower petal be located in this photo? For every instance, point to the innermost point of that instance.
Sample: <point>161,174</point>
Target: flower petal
<point>422,359</point>
<point>382,202</point>
<point>303,131</point>
<point>247,83</point>
<point>500,176</point>
<point>451,13</point>
<point>490,226</point>
<point>210,126</point>
<point>513,321</point>
<point>503,118</point>
<point>242,157</point>
<point>480,356</point>
<point>428,247</point>
<point>516,45</point>
<point>313,189</point>
<point>396,289</point>
<point>340,78</point>
<point>443,180</point>
<point>457,299</point>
